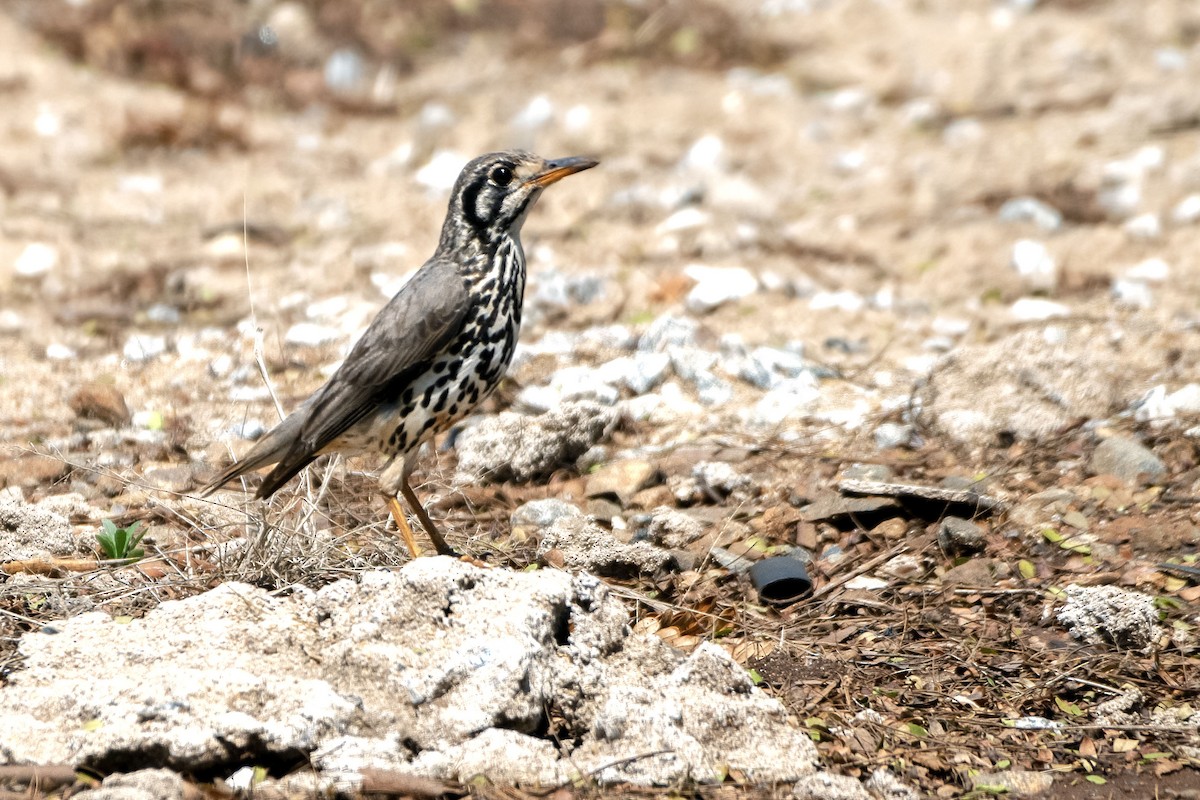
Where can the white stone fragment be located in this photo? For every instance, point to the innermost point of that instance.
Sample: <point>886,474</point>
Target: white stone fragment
<point>1187,210</point>
<point>1144,226</point>
<point>1031,309</point>
<point>311,334</point>
<point>1035,265</point>
<point>141,347</point>
<point>684,219</point>
<point>56,351</point>
<point>37,259</point>
<point>1030,209</point>
<point>716,286</point>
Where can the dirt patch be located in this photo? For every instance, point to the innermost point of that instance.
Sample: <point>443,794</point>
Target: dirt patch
<point>186,204</point>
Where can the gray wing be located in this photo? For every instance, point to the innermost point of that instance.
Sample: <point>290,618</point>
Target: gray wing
<point>416,324</point>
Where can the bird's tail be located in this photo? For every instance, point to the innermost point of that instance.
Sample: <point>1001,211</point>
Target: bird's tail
<point>279,444</point>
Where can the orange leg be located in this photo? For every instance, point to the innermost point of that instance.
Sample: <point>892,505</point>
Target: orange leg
<point>435,536</point>
<point>402,525</point>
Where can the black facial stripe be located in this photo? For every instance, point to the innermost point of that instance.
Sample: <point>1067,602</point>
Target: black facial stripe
<point>470,197</point>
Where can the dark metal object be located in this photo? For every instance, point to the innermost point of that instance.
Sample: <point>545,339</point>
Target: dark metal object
<point>781,580</point>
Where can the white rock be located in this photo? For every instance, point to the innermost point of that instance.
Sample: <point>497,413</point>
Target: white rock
<point>690,363</point>
<point>684,219</point>
<point>1030,209</point>
<point>789,363</point>
<point>669,331</point>
<point>850,161</point>
<point>1120,201</point>
<point>56,351</point>
<point>36,260</point>
<point>893,434</point>
<point>1170,59</point>
<point>716,286</point>
<point>707,154</point>
<point>1187,210</point>
<point>844,300</point>
<point>788,399</point>
<point>311,334</point>
<point>1186,399</point>
<point>1034,264</point>
<point>1144,226</point>
<point>850,99</point>
<point>640,372</point>
<point>1153,270</point>
<point>441,171</point>
<point>345,71</point>
<point>920,113</point>
<point>1030,309</point>
<point>143,347</point>
<point>1132,294</point>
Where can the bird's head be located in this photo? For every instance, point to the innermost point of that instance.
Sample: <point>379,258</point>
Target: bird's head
<point>494,192</point>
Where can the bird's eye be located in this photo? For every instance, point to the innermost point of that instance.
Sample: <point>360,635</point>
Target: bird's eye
<point>501,176</point>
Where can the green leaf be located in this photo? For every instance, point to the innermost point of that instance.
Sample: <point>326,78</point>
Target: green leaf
<point>1027,569</point>
<point>755,676</point>
<point>917,730</point>
<point>1051,535</point>
<point>1096,779</point>
<point>1067,707</point>
<point>1003,763</point>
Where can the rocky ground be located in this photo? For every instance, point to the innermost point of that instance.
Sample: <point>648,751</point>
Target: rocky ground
<point>902,295</point>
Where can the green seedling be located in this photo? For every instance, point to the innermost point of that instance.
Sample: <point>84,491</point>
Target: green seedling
<point>121,543</point>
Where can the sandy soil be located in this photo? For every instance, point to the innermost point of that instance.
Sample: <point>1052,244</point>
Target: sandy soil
<point>868,151</point>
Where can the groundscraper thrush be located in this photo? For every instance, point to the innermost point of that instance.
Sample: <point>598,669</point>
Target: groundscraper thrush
<point>434,352</point>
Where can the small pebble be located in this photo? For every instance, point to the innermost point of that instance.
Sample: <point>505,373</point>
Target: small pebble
<point>1127,460</point>
<point>1032,309</point>
<point>1187,210</point>
<point>684,219</point>
<point>707,154</point>
<point>1035,265</point>
<point>1144,226</point>
<point>1154,270</point>
<point>311,334</point>
<point>889,435</point>
<point>1030,209</point>
<point>143,347</point>
<point>844,300</point>
<point>716,286</point>
<point>957,536</point>
<point>37,259</point>
<point>1120,201</point>
<point>60,352</point>
<point>1132,294</point>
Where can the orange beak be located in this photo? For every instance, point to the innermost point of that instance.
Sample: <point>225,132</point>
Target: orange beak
<point>560,168</point>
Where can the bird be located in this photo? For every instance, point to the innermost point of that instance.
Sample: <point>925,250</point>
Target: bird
<point>433,353</point>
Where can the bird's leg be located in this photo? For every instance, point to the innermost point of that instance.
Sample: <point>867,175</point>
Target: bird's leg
<point>406,533</point>
<point>439,543</point>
